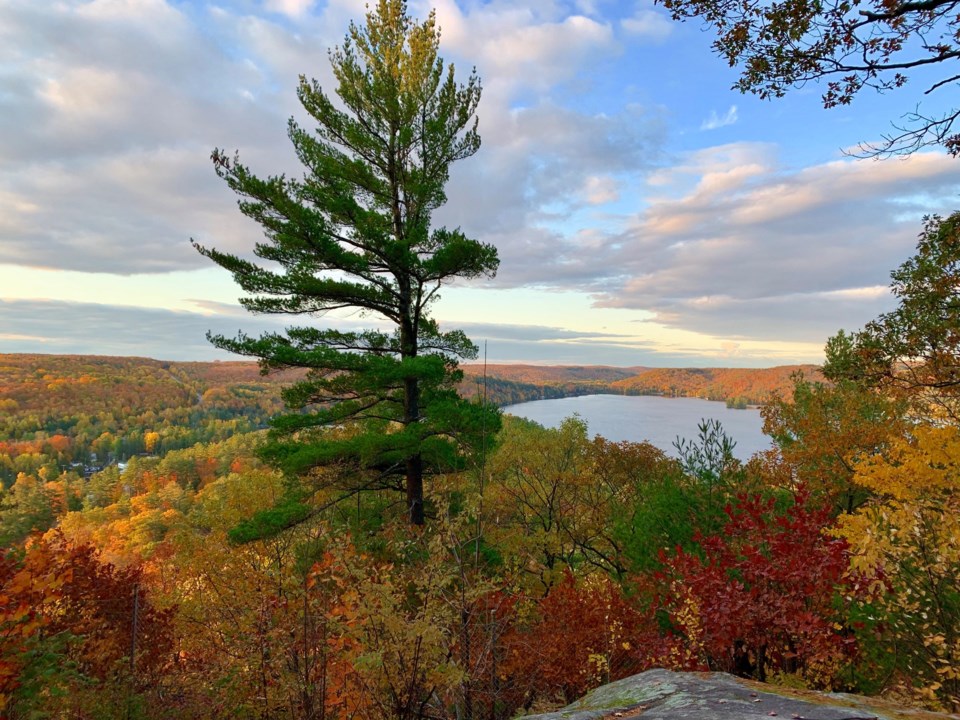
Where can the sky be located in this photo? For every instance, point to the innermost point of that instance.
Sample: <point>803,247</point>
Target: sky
<point>644,212</point>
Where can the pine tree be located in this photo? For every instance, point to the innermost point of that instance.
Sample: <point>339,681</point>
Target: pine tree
<point>378,406</point>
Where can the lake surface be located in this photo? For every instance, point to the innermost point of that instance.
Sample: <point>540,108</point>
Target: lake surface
<point>658,420</point>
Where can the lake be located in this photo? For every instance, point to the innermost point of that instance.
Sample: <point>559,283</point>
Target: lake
<point>658,420</point>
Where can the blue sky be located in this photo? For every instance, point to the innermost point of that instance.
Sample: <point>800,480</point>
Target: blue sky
<point>644,212</point>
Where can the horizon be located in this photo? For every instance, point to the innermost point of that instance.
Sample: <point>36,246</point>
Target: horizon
<point>462,364</point>
<point>654,219</point>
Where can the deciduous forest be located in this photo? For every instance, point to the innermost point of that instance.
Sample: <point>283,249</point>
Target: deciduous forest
<point>138,583</point>
<point>349,528</point>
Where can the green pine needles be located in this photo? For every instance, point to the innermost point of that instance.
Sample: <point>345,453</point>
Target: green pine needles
<point>377,409</point>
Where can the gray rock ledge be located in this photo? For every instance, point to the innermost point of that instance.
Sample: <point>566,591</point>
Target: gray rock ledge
<point>668,695</point>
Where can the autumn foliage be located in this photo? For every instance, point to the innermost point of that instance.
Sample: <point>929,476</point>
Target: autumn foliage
<point>551,564</point>
<point>72,624</point>
<point>562,563</point>
<point>762,597</point>
<point>587,634</point>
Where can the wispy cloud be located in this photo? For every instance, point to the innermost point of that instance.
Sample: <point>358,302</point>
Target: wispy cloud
<point>599,190</point>
<point>715,121</point>
<point>648,24</point>
<point>99,329</point>
<point>732,245</point>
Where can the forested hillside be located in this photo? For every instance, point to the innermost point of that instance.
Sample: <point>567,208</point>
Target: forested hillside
<point>552,374</point>
<point>750,386</point>
<point>85,412</point>
<point>74,412</point>
<point>511,384</point>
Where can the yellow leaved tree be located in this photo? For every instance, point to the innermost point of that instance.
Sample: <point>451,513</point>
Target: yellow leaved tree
<point>910,532</point>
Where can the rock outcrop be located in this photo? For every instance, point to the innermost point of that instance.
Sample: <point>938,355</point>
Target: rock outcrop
<point>668,695</point>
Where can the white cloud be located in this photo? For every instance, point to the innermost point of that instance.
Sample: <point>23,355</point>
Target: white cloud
<point>754,251</point>
<point>534,174</point>
<point>104,329</point>
<point>521,47</point>
<point>115,105</point>
<point>110,109</point>
<point>587,7</point>
<point>133,212</point>
<point>600,190</point>
<point>152,16</point>
<point>292,8</point>
<point>649,24</point>
<point>100,329</point>
<point>874,292</point>
<point>729,348</point>
<point>731,245</point>
<point>83,94</point>
<point>715,121</point>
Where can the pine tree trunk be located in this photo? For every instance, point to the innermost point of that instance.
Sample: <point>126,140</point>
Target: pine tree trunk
<point>415,489</point>
<point>411,413</point>
<point>414,463</point>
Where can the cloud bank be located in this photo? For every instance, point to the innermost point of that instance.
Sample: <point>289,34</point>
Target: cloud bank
<point>110,110</point>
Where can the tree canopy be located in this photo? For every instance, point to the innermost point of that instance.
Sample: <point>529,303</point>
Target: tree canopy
<point>915,348</point>
<point>355,233</point>
<point>851,46</point>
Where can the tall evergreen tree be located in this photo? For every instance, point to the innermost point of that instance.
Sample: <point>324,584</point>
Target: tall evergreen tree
<point>379,407</point>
